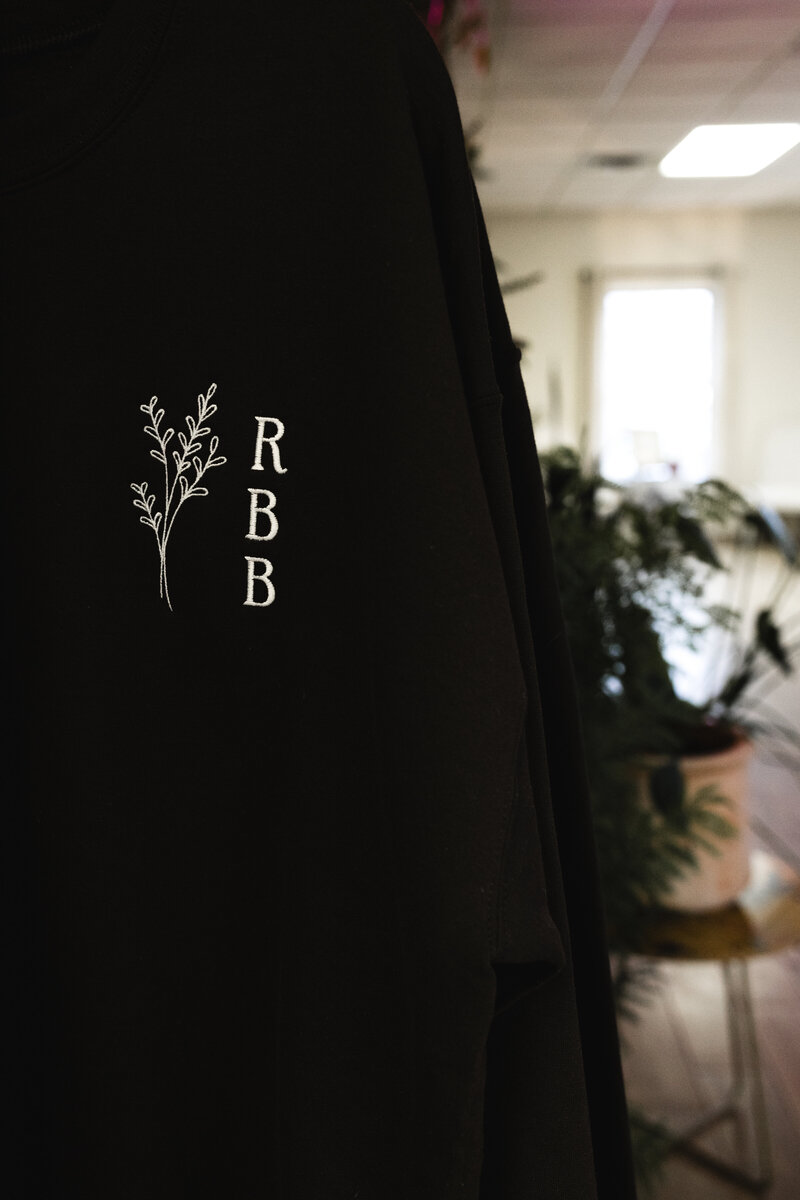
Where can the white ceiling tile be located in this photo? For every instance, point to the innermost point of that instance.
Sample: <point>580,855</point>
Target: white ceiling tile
<point>763,106</point>
<point>540,110</point>
<point>510,159</point>
<point>646,137</point>
<point>556,138</point>
<point>751,10</point>
<point>570,11</point>
<point>523,190</point>
<point>546,103</point>
<point>722,39</point>
<point>573,46</point>
<point>688,108</point>
<point>784,77</point>
<point>700,79</point>
<point>525,79</point>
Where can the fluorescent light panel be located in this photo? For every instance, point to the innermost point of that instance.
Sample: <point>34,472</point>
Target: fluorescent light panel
<point>714,151</point>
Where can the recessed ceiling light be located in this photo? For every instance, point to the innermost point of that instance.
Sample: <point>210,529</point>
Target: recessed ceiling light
<point>728,150</point>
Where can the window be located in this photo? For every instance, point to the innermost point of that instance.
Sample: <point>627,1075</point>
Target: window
<point>656,379</point>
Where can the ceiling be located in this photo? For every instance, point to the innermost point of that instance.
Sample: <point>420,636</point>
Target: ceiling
<point>570,79</point>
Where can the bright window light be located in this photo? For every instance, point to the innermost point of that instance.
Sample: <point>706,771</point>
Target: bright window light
<point>728,150</point>
<point>656,382</point>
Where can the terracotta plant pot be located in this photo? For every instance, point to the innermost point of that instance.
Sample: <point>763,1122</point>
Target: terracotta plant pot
<point>718,879</point>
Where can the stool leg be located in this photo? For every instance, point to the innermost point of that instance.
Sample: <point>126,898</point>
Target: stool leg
<point>736,1003</point>
<point>745,1099</point>
<point>747,1091</point>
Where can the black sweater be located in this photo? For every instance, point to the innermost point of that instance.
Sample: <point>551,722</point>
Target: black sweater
<point>301,891</point>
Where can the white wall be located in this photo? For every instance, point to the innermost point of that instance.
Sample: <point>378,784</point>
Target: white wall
<point>759,253</point>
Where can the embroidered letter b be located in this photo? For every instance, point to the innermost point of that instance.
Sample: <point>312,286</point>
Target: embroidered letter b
<point>268,510</point>
<point>262,577</point>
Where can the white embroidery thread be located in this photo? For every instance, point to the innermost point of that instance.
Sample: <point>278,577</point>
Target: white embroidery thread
<point>272,442</point>
<point>262,577</point>
<point>178,488</point>
<point>267,509</point>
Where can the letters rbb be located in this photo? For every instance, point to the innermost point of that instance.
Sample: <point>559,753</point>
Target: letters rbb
<point>263,526</point>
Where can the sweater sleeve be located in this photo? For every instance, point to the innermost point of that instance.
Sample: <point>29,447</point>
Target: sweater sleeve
<point>555,1118</point>
<point>565,820</point>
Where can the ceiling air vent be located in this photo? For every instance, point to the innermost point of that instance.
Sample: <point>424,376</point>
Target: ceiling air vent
<point>617,161</point>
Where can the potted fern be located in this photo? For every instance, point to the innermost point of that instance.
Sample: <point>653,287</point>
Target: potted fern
<point>639,572</point>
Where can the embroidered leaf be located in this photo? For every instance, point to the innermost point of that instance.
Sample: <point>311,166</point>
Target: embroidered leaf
<point>212,408</point>
<point>151,432</point>
<point>198,433</point>
<point>157,454</point>
<point>198,466</point>
<point>167,435</point>
<point>212,445</point>
<point>217,462</point>
<point>176,457</point>
<point>199,491</point>
<point>184,484</point>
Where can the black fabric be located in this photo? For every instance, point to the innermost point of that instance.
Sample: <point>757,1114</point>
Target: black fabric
<point>301,898</point>
<point>566,779</point>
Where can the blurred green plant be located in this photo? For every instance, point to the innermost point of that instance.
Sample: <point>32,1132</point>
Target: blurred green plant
<point>635,568</point>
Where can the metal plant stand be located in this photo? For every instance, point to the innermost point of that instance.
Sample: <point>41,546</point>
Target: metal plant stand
<point>764,920</point>
<point>744,1102</point>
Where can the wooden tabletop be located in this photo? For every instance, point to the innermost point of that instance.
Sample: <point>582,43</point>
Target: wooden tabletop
<point>763,920</point>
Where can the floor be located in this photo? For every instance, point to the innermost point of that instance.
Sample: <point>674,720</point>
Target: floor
<point>675,1055</point>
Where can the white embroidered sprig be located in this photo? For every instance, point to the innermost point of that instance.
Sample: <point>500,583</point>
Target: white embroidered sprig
<point>178,485</point>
